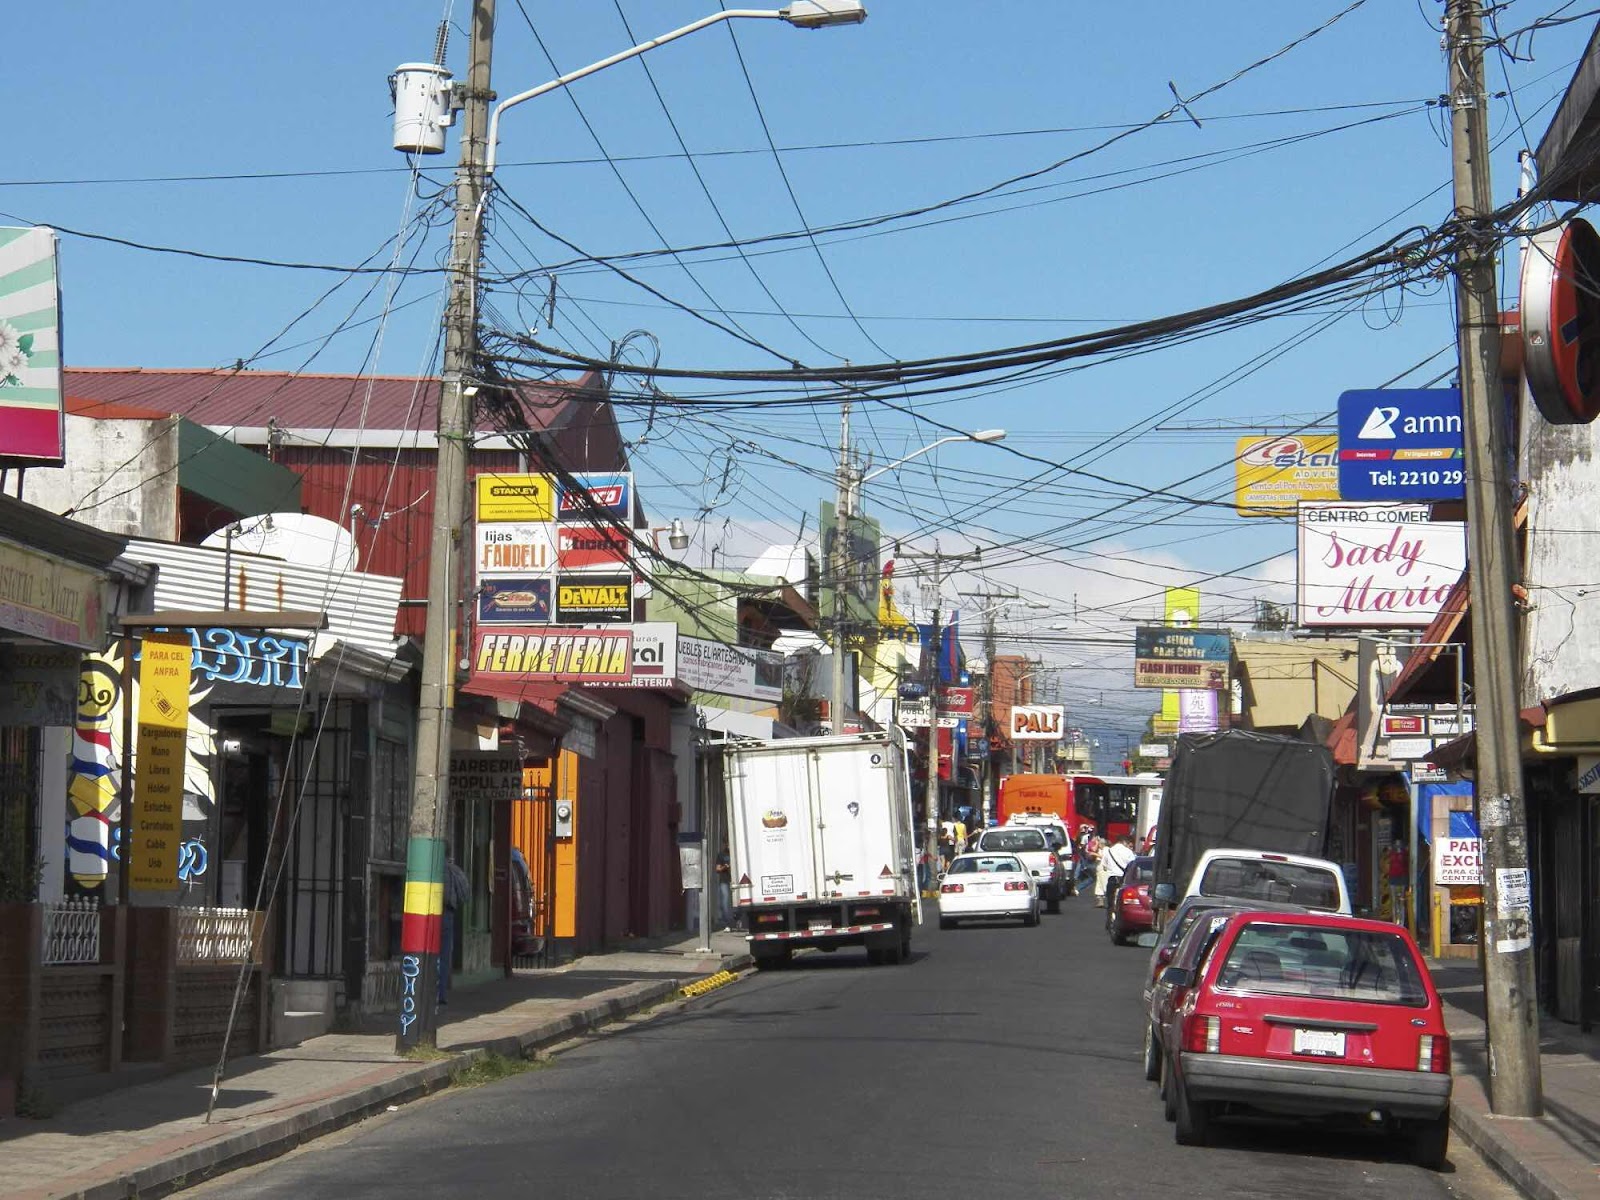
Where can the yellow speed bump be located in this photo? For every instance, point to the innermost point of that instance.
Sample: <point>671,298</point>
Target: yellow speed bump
<point>709,984</point>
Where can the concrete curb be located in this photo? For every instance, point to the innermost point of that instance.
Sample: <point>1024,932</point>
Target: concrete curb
<point>275,1138</point>
<point>1527,1176</point>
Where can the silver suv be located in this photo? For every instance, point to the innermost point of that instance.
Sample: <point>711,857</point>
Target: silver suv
<point>1029,844</point>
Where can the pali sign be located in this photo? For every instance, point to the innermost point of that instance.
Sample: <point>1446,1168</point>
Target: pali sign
<point>1375,566</point>
<point>1037,722</point>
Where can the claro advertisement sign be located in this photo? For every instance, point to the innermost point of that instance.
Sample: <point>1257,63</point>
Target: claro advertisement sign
<point>1376,566</point>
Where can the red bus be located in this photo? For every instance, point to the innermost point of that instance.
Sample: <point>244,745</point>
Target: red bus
<point>1113,804</point>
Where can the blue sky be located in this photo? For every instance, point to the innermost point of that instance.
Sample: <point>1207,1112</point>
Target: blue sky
<point>1320,153</point>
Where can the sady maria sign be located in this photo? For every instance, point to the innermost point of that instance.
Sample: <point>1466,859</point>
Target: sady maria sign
<point>1376,565</point>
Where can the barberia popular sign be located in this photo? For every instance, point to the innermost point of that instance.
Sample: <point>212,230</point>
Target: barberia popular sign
<point>1376,565</point>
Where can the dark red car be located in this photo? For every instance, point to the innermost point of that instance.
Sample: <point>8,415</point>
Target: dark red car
<point>1306,1014</point>
<point>1128,910</point>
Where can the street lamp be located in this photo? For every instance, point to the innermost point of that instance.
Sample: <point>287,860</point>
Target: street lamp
<point>849,484</point>
<point>803,14</point>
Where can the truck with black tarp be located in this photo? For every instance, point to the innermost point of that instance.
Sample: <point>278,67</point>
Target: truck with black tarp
<point>1243,790</point>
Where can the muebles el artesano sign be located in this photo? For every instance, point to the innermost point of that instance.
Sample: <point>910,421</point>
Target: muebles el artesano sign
<point>1376,566</point>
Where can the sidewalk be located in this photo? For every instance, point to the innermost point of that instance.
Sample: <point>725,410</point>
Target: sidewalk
<point>150,1138</point>
<point>1554,1157</point>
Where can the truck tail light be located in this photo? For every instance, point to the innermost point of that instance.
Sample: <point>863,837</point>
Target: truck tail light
<point>1202,1035</point>
<point>865,912</point>
<point>951,887</point>
<point>1016,885</point>
<point>1433,1053</point>
<point>769,918</point>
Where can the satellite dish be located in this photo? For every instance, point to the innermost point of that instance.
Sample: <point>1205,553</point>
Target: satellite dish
<point>295,537</point>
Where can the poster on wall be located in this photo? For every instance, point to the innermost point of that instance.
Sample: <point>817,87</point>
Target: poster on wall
<point>1376,566</point>
<point>163,728</point>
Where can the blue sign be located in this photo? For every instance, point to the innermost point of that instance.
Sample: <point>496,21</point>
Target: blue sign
<point>1401,445</point>
<point>517,600</point>
<point>609,495</point>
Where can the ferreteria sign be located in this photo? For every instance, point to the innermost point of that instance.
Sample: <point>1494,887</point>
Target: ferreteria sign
<point>553,653</point>
<point>1376,566</point>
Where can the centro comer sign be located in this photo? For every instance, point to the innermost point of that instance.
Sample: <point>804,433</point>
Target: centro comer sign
<point>1376,566</point>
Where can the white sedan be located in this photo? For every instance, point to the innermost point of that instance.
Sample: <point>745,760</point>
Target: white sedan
<point>987,885</point>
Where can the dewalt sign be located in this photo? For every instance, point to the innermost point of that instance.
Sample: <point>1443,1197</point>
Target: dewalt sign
<point>587,599</point>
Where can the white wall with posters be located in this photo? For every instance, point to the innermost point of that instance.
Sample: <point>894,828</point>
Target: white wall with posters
<point>1376,566</point>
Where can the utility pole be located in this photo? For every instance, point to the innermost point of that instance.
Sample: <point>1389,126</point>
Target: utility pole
<point>931,794</point>
<point>839,568</point>
<point>1508,982</point>
<point>430,796</point>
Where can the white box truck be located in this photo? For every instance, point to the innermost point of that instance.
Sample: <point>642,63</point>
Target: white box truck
<point>821,848</point>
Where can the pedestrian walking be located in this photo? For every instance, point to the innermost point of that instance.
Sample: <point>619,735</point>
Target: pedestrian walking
<point>723,871</point>
<point>1089,847</point>
<point>456,891</point>
<point>1114,860</point>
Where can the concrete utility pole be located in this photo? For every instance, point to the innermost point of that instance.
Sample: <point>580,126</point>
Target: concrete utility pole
<point>1513,1022</point>
<point>931,794</point>
<point>430,796</point>
<point>839,568</point>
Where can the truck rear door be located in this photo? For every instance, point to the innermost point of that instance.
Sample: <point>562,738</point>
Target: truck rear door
<point>855,834</point>
<point>770,798</point>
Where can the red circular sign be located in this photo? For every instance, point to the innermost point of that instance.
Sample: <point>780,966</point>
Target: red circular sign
<point>1561,322</point>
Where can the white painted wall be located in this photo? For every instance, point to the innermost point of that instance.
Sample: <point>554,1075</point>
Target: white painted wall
<point>120,476</point>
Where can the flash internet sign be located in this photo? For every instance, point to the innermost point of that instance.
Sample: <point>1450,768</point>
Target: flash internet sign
<point>1375,566</point>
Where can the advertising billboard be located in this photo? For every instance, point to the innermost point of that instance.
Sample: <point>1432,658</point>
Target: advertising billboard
<point>32,421</point>
<point>515,600</point>
<point>655,655</point>
<point>516,548</point>
<point>1273,474</point>
<point>590,599</point>
<point>553,653</point>
<point>742,671</point>
<point>1197,710</point>
<point>516,498</point>
<point>1399,444</point>
<point>1037,722</point>
<point>1178,656</point>
<point>589,547</point>
<point>601,496</point>
<point>1376,566</point>
<point>861,568</point>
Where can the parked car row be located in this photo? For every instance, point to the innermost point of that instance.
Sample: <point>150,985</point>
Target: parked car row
<point>1292,1007</point>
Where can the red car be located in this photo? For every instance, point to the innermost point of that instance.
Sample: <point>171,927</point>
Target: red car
<point>1128,908</point>
<point>1306,1014</point>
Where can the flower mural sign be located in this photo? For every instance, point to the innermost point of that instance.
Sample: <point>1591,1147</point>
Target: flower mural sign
<point>32,425</point>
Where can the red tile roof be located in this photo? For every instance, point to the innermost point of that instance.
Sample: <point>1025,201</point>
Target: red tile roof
<point>293,400</point>
<point>105,410</point>
<point>1342,740</point>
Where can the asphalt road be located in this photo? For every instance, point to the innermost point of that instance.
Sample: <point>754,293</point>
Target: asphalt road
<point>999,1061</point>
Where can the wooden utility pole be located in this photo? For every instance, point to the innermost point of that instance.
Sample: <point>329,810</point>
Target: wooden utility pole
<point>1513,1019</point>
<point>430,796</point>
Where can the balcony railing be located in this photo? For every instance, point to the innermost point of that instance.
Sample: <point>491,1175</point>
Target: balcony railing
<point>71,930</point>
<point>218,935</point>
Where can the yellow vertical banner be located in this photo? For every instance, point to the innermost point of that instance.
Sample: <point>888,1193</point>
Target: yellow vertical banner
<point>163,717</point>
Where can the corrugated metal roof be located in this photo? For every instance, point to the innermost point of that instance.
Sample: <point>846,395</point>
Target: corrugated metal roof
<point>227,398</point>
<point>361,607</point>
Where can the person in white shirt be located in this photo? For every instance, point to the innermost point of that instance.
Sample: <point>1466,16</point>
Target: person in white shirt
<point>1114,860</point>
